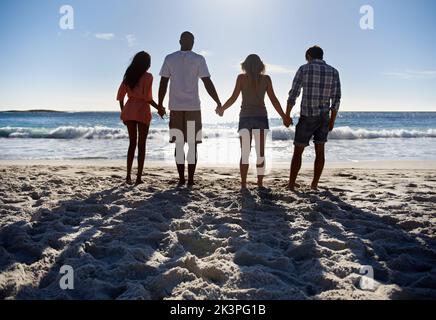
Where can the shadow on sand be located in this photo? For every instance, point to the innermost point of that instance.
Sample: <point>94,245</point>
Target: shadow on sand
<point>290,246</point>
<point>107,239</point>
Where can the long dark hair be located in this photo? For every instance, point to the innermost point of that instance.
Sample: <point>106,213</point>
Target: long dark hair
<point>140,64</point>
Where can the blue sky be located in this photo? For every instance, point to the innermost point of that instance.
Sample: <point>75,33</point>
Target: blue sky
<point>390,68</point>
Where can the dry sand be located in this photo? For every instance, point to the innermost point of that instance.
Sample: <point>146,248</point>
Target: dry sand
<point>157,241</point>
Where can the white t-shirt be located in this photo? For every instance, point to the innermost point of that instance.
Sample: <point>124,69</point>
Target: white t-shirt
<point>184,69</point>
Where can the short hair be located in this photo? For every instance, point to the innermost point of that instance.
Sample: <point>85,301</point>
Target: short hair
<point>315,52</point>
<point>186,35</point>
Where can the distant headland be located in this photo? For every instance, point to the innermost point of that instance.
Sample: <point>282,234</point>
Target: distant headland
<point>33,110</point>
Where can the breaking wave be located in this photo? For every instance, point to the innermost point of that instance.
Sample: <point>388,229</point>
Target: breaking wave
<point>280,134</point>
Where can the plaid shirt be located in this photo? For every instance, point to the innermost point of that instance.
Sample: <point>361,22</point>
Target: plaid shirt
<point>321,84</point>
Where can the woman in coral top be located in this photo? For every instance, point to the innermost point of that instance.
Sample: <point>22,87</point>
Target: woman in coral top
<point>136,114</point>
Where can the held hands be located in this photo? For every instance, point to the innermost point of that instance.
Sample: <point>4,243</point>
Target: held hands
<point>161,111</point>
<point>219,111</point>
<point>287,121</point>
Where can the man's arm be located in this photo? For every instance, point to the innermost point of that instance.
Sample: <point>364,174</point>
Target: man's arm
<point>295,91</point>
<point>289,107</point>
<point>336,100</point>
<point>163,86</point>
<point>210,88</point>
<point>333,115</point>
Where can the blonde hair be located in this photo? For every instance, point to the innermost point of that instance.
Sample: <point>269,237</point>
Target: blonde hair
<point>253,67</point>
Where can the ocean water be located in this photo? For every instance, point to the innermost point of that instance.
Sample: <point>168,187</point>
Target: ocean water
<point>358,136</point>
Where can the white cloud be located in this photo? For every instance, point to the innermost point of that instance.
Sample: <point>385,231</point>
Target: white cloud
<point>206,53</point>
<point>274,69</point>
<point>104,36</point>
<point>412,74</point>
<point>278,69</point>
<point>131,40</point>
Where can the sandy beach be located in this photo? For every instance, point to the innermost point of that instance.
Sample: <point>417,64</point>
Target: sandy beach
<point>160,241</point>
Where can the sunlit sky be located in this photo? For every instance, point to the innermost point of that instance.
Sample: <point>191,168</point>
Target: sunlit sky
<point>390,68</point>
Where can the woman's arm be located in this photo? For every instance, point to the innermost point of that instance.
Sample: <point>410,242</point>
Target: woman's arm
<point>287,120</point>
<point>235,94</point>
<point>149,97</point>
<point>160,110</point>
<point>153,104</point>
<point>272,97</point>
<point>122,91</point>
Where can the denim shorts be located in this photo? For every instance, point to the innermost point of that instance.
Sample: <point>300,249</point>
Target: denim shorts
<point>308,127</point>
<point>251,123</point>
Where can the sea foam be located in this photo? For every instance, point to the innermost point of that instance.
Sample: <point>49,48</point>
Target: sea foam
<point>278,134</point>
<point>347,133</point>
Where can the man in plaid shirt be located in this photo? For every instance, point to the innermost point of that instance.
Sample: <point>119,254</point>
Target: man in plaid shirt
<point>319,107</point>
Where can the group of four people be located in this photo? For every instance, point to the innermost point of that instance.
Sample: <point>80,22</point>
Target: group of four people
<point>182,71</point>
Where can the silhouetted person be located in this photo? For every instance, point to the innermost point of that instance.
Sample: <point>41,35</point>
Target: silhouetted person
<point>319,107</point>
<point>136,114</point>
<point>253,118</point>
<point>183,69</point>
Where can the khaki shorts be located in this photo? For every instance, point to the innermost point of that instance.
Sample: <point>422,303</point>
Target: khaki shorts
<point>186,123</point>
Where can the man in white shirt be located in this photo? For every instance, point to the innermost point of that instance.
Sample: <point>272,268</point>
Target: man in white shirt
<point>183,69</point>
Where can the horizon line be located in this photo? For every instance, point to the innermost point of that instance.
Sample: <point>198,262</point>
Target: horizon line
<point>78,111</point>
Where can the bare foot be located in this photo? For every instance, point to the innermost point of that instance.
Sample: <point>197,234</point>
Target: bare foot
<point>191,183</point>
<point>182,182</point>
<point>293,186</point>
<point>314,187</point>
<point>244,191</point>
<point>138,182</point>
<point>129,180</point>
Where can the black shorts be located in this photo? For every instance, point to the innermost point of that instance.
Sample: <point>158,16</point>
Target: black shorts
<point>308,127</point>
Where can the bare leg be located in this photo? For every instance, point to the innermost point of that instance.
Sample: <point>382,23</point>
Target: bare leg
<point>245,140</point>
<point>180,164</point>
<point>181,171</point>
<point>319,164</point>
<point>295,166</point>
<point>192,166</point>
<point>143,133</point>
<point>260,163</point>
<point>131,128</point>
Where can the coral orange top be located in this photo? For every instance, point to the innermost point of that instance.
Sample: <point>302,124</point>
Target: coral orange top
<point>137,107</point>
